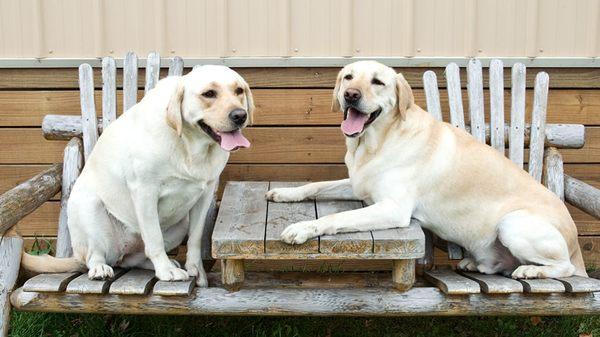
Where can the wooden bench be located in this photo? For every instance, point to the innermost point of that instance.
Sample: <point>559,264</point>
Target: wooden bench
<point>248,227</point>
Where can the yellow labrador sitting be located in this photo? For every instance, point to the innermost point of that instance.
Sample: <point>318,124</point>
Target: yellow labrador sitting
<point>152,175</point>
<point>405,164</point>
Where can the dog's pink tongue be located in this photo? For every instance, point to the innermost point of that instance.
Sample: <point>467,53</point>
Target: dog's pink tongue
<point>354,122</point>
<point>233,140</point>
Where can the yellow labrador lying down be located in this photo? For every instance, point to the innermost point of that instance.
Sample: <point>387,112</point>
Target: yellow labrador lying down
<point>405,164</point>
<point>152,175</point>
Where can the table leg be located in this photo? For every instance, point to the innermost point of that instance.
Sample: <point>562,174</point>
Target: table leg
<point>403,274</point>
<point>232,274</point>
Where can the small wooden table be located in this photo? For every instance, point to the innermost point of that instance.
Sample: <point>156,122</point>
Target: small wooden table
<point>249,227</point>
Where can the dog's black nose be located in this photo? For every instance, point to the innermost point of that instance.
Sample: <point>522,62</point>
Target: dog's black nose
<point>238,116</point>
<point>352,95</point>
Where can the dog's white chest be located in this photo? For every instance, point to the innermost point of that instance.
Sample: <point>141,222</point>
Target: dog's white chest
<point>177,197</point>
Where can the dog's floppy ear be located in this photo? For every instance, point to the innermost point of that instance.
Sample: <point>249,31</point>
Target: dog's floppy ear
<point>249,100</point>
<point>404,96</point>
<point>174,113</point>
<point>335,104</point>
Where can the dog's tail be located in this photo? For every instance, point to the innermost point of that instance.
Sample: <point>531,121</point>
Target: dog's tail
<point>50,264</point>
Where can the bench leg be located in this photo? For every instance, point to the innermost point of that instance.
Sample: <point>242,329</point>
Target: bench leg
<point>232,274</point>
<point>403,274</point>
<point>10,261</point>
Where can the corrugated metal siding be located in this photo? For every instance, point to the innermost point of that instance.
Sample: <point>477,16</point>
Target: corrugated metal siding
<point>239,28</point>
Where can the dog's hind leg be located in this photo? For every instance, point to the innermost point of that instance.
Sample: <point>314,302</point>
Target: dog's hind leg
<point>539,246</point>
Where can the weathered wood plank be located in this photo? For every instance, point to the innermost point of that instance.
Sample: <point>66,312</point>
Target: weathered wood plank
<point>582,195</point>
<point>452,283</point>
<point>25,198</point>
<point>130,81</point>
<point>133,282</point>
<point>497,105</point>
<point>495,284</point>
<point>89,123</point>
<point>417,301</point>
<point>179,288</point>
<point>426,262</point>
<point>432,94</point>
<point>109,91</point>
<point>83,285</point>
<point>72,166</point>
<point>387,242</point>
<point>538,126</point>
<point>543,286</point>
<point>10,261</point>
<point>280,215</point>
<point>476,108</point>
<point>176,66</point>
<point>554,175</point>
<point>49,282</point>
<point>343,243</point>
<point>517,115</point>
<point>240,227</point>
<point>457,116</point>
<point>579,284</point>
<point>152,70</point>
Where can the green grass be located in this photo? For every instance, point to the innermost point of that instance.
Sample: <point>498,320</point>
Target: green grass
<point>79,325</point>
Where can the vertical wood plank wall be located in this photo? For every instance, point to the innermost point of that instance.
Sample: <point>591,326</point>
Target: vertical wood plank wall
<point>295,135</point>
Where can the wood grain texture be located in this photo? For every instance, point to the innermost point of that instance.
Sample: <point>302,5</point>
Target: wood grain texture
<point>476,108</point>
<point>554,175</point>
<point>280,215</point>
<point>133,282</point>
<point>455,101</point>
<point>232,274</point>
<point>538,127</point>
<point>72,166</point>
<point>495,284</point>
<point>387,242</point>
<point>27,196</point>
<point>89,123</point>
<point>56,282</point>
<point>240,226</point>
<point>517,115</point>
<point>417,301</point>
<point>452,283</point>
<point>496,80</point>
<point>290,106</point>
<point>152,71</point>
<point>130,81</point>
<point>582,195</point>
<point>432,94</point>
<point>579,284</point>
<point>83,285</point>
<point>178,288</point>
<point>109,91</point>
<point>343,243</point>
<point>10,261</point>
<point>176,66</point>
<point>542,286</point>
<point>403,274</point>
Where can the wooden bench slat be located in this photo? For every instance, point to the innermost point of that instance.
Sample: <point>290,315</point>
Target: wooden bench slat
<point>280,215</point>
<point>476,107</point>
<point>496,284</point>
<point>109,91</point>
<point>49,282</point>
<point>176,66</point>
<point>432,94</point>
<point>179,288</point>
<point>497,105</point>
<point>88,109</point>
<point>240,226</point>
<point>542,286</point>
<point>83,285</point>
<point>451,282</point>
<point>385,242</point>
<point>538,126</point>
<point>134,282</point>
<point>352,243</point>
<point>152,71</point>
<point>517,115</point>
<point>579,284</point>
<point>457,117</point>
<point>130,80</point>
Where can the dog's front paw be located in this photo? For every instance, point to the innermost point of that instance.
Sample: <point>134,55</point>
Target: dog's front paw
<point>197,271</point>
<point>284,194</point>
<point>467,264</point>
<point>100,272</point>
<point>171,273</point>
<point>300,232</point>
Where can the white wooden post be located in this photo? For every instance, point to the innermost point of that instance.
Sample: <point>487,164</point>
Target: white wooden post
<point>10,261</point>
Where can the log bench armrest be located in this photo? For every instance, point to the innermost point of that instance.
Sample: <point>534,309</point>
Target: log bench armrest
<point>25,198</point>
<point>582,196</point>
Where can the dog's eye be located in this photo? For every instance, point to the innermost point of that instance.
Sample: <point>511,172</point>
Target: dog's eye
<point>348,77</point>
<point>239,91</point>
<point>376,81</point>
<point>209,94</point>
